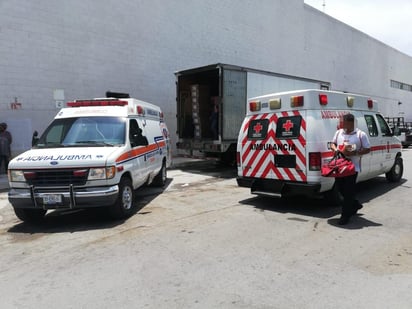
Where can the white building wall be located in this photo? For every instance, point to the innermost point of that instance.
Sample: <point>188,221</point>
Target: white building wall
<point>82,48</point>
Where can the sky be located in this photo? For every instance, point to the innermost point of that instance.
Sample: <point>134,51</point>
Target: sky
<point>388,21</point>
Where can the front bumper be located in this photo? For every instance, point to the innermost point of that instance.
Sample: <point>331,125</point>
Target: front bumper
<point>69,198</point>
<point>280,188</point>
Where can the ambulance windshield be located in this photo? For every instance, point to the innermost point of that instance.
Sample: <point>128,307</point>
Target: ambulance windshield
<point>84,132</point>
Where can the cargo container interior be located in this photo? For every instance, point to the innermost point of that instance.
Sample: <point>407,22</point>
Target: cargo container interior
<point>198,92</point>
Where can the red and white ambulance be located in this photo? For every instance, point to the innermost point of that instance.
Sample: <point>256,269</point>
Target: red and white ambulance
<point>284,140</point>
<point>95,153</point>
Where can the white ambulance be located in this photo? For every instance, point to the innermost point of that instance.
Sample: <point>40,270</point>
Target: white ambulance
<point>284,140</point>
<point>95,153</point>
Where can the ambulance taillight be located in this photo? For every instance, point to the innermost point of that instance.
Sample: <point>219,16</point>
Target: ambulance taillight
<point>296,101</point>
<point>254,106</point>
<point>323,99</point>
<point>238,158</point>
<point>315,161</point>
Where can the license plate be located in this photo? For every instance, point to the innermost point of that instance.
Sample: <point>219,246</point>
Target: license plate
<point>285,161</point>
<point>51,199</point>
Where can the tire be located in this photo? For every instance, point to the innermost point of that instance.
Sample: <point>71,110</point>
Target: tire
<point>124,206</point>
<point>396,172</point>
<point>30,215</point>
<point>161,177</point>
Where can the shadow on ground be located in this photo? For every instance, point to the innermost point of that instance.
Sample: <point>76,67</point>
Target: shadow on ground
<point>70,221</point>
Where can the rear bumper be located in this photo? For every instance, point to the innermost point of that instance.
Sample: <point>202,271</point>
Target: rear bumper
<point>71,198</point>
<point>279,188</point>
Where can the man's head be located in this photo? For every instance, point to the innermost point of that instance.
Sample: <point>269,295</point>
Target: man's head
<point>348,123</point>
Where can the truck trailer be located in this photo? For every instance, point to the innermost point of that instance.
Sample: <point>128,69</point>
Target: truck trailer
<point>211,105</point>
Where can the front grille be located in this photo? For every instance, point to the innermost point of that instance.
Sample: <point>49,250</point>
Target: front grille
<point>57,178</point>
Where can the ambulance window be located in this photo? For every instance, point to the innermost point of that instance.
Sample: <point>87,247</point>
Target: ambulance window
<point>258,129</point>
<point>136,136</point>
<point>288,127</point>
<point>371,124</point>
<point>54,135</point>
<point>386,131</point>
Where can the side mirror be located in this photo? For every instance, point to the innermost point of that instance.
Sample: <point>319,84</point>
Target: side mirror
<point>34,138</point>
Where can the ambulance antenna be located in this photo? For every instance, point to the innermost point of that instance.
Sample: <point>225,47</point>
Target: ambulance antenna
<point>324,5</point>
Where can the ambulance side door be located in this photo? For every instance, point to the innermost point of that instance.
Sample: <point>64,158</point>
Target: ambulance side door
<point>388,156</point>
<point>138,144</point>
<point>372,161</point>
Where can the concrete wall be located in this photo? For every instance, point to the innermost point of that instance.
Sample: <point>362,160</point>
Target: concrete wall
<point>55,51</point>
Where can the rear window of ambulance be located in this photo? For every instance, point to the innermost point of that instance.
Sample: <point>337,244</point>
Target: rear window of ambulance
<point>258,129</point>
<point>288,127</point>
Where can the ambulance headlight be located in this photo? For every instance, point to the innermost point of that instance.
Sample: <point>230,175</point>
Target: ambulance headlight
<point>16,176</point>
<point>102,173</point>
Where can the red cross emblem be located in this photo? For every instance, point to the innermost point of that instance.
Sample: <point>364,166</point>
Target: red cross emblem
<point>287,125</point>
<point>257,128</point>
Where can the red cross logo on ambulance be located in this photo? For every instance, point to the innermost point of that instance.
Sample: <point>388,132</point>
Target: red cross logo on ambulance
<point>287,127</point>
<point>257,128</point>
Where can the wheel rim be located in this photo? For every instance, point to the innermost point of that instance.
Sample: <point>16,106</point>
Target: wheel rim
<point>397,169</point>
<point>127,198</point>
<point>164,174</point>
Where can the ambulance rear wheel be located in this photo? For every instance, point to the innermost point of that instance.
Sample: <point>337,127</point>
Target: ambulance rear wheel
<point>396,172</point>
<point>30,215</point>
<point>124,206</point>
<point>161,177</point>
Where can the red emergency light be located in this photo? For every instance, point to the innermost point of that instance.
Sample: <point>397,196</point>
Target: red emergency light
<point>370,103</point>
<point>80,173</point>
<point>139,110</point>
<point>323,99</point>
<point>296,101</point>
<point>81,103</point>
<point>254,106</point>
<point>30,175</point>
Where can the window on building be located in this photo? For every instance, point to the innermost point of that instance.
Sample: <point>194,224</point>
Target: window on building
<point>402,86</point>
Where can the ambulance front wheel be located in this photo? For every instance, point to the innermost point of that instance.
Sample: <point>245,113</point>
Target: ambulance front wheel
<point>30,215</point>
<point>124,206</point>
<point>396,172</point>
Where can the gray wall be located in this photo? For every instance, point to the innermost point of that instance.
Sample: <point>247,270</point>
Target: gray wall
<point>53,50</point>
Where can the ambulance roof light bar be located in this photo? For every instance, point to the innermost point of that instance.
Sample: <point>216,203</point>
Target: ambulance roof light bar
<point>110,102</point>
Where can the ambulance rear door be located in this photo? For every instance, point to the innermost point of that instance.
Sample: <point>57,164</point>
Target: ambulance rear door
<point>274,146</point>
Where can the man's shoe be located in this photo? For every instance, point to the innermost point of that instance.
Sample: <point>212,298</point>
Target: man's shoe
<point>357,206</point>
<point>343,220</point>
